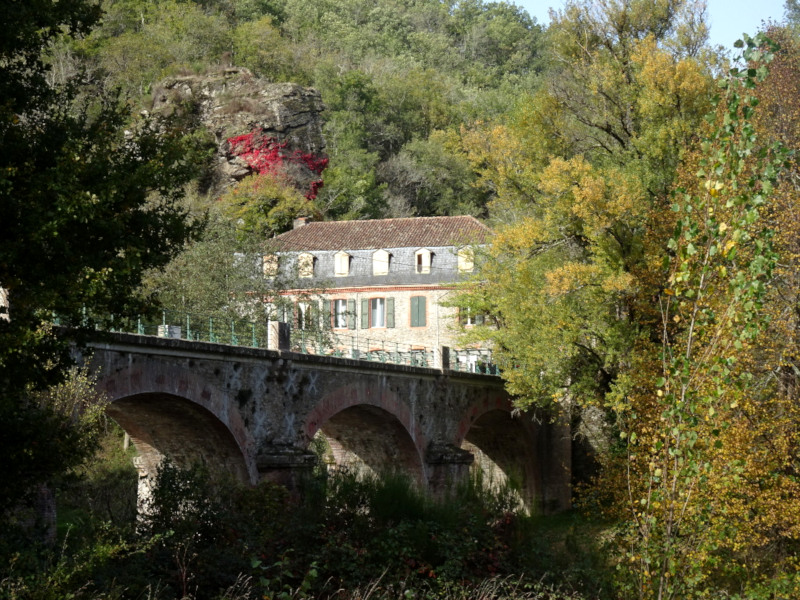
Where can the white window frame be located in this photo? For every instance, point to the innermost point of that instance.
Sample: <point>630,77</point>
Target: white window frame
<point>380,262</point>
<point>377,312</point>
<point>304,315</point>
<point>469,320</point>
<point>305,265</point>
<point>340,313</point>
<point>341,264</point>
<point>422,261</point>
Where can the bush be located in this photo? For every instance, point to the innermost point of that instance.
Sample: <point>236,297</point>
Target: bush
<point>341,536</point>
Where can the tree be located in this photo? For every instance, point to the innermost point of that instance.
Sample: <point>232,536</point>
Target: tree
<point>580,171</point>
<point>88,201</point>
<point>702,490</point>
<point>265,205</point>
<point>432,178</point>
<point>221,275</point>
<point>792,8</point>
<point>139,43</point>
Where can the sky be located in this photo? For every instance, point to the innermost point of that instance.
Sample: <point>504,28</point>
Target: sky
<point>728,18</point>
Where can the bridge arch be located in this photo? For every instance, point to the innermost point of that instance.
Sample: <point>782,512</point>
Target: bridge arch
<point>506,449</point>
<point>171,412</point>
<point>366,426</point>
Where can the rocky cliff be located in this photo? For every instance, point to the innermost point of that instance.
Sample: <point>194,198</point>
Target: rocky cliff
<point>283,117</point>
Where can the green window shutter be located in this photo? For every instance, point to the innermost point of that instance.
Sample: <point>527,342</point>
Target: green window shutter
<point>326,313</point>
<point>365,314</point>
<point>418,311</point>
<point>351,314</point>
<point>390,312</point>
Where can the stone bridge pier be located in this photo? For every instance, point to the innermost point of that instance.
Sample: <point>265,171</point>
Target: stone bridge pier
<point>262,414</point>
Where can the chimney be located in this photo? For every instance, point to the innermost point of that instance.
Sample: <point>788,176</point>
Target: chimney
<point>300,221</point>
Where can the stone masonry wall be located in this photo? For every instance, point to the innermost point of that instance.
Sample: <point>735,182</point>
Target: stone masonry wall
<point>262,408</point>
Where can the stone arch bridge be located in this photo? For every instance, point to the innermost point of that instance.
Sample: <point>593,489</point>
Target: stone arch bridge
<point>254,413</point>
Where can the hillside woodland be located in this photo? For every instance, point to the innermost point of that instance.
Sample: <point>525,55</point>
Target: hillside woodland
<point>642,281</point>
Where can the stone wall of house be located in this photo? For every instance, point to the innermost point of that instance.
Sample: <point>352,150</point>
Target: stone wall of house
<point>440,328</point>
<point>404,281</point>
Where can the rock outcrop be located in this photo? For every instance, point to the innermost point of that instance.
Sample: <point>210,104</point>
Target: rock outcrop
<point>234,102</point>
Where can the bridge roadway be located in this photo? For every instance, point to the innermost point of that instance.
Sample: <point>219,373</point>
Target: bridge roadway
<point>254,413</point>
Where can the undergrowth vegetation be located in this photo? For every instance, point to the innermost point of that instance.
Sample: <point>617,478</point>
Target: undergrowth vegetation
<point>341,536</point>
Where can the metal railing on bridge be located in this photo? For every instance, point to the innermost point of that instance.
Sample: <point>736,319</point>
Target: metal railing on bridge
<point>255,334</point>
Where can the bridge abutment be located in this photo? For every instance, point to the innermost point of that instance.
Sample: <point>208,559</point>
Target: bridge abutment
<point>285,465</point>
<point>447,466</point>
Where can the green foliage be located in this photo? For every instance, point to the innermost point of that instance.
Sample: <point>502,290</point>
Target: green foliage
<point>264,205</point>
<point>792,8</point>
<point>390,74</point>
<point>205,537</point>
<point>430,179</point>
<point>139,43</point>
<point>220,275</point>
<point>258,46</point>
<point>720,266</point>
<point>579,170</point>
<point>102,491</point>
<point>87,204</point>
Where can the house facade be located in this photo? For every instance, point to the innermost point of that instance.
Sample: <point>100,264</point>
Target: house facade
<point>378,284</point>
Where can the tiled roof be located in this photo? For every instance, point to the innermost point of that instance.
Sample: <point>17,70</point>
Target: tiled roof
<point>414,232</point>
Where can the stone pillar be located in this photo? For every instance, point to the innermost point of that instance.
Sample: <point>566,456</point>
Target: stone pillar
<point>147,471</point>
<point>443,359</point>
<point>448,465</point>
<point>557,466</point>
<point>285,465</point>
<point>278,336</point>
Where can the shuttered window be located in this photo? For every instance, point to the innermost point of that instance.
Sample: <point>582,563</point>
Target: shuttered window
<point>341,264</point>
<point>270,265</point>
<point>377,312</point>
<point>466,260</point>
<point>351,314</point>
<point>305,265</point>
<point>380,262</point>
<point>418,311</point>
<point>339,313</point>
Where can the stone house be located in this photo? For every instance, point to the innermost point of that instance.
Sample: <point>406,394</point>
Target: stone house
<point>381,285</point>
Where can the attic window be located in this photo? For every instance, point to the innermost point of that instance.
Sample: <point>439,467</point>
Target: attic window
<point>269,265</point>
<point>380,262</point>
<point>305,265</point>
<point>466,260</point>
<point>341,264</point>
<point>422,260</point>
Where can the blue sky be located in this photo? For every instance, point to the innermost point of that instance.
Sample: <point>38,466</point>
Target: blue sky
<point>728,18</point>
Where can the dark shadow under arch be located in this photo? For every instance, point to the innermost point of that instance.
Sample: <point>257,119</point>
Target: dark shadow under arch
<point>506,450</point>
<point>167,426</point>
<point>370,439</point>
